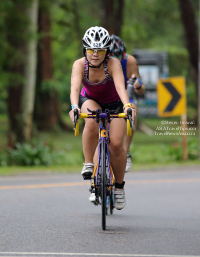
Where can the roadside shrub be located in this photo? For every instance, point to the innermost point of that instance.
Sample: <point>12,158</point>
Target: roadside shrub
<point>193,149</point>
<point>28,155</point>
<point>38,154</point>
<point>3,159</point>
<point>143,153</point>
<point>68,158</point>
<point>3,107</point>
<point>176,152</point>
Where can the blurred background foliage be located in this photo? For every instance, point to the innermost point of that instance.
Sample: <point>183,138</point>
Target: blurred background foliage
<point>148,24</point>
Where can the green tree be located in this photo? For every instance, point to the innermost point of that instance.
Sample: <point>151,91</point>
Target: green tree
<point>112,14</point>
<point>191,37</point>
<point>28,91</point>
<point>15,22</point>
<point>47,108</point>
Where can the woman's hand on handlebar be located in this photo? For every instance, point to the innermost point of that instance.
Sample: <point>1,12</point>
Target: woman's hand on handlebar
<point>71,113</point>
<point>133,112</point>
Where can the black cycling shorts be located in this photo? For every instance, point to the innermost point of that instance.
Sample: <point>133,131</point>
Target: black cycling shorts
<point>111,106</point>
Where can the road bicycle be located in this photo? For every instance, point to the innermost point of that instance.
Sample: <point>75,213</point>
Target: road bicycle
<point>102,180</point>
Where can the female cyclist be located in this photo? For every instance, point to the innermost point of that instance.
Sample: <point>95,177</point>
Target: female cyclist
<point>103,88</point>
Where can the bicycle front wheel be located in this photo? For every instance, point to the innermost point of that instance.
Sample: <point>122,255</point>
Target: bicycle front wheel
<point>103,184</point>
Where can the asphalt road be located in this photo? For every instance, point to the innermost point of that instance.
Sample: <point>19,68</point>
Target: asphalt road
<point>50,215</point>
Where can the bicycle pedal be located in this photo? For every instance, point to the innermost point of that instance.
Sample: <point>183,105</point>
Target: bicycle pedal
<point>87,177</point>
<point>92,190</point>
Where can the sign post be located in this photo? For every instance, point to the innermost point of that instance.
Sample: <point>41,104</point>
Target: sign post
<point>172,102</point>
<point>184,137</point>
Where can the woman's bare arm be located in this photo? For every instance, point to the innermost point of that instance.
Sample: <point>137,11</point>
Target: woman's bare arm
<point>133,71</point>
<point>116,72</point>
<point>76,79</point>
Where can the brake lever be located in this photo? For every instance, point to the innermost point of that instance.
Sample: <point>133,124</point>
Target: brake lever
<point>129,113</point>
<point>89,110</point>
<point>94,112</point>
<point>75,117</point>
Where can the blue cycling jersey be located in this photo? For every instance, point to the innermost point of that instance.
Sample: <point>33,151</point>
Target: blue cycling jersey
<point>124,64</point>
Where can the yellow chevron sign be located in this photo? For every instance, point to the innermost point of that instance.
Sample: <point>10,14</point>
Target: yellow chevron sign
<point>171,96</point>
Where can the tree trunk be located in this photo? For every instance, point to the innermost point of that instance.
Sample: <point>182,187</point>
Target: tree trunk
<point>119,17</point>
<point>190,27</point>
<point>112,15</point>
<point>28,92</point>
<point>47,109</point>
<point>77,27</point>
<point>13,105</point>
<point>15,28</point>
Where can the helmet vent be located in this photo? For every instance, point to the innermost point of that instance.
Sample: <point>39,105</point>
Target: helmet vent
<point>84,43</point>
<point>97,38</point>
<point>89,40</point>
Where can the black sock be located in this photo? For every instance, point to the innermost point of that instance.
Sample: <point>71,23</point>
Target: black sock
<point>120,186</point>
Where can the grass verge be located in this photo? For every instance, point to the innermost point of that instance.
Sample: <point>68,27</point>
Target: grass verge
<point>16,170</point>
<point>149,152</point>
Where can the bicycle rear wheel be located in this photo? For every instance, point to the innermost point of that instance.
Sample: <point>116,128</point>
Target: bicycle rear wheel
<point>103,184</point>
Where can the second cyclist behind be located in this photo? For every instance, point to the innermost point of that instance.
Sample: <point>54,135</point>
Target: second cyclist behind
<point>130,71</point>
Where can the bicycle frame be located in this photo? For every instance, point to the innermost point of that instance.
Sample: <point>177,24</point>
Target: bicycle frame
<point>104,136</point>
<point>103,178</point>
<point>104,133</point>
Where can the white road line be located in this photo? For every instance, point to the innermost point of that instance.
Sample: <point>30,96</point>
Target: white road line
<point>93,254</point>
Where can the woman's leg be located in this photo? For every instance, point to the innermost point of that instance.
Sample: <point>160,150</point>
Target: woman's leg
<point>90,132</point>
<point>127,143</point>
<point>118,154</point>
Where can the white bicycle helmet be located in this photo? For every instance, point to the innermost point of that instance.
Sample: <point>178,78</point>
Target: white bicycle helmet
<point>96,37</point>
